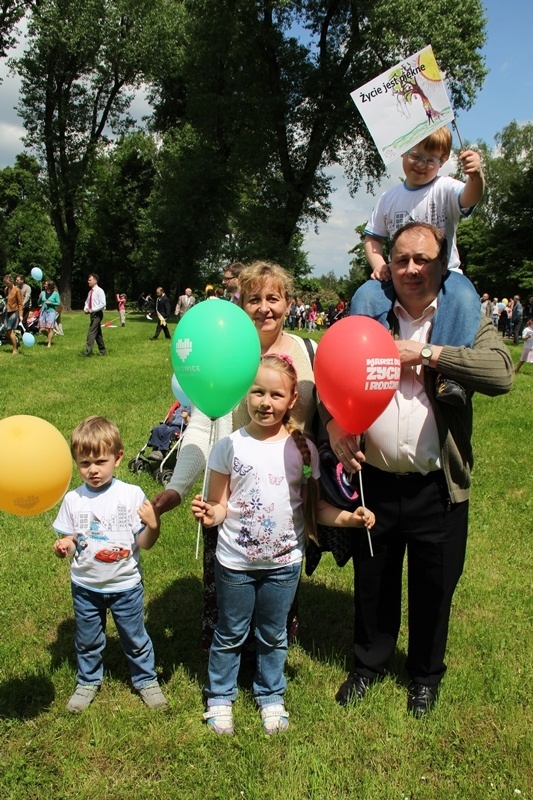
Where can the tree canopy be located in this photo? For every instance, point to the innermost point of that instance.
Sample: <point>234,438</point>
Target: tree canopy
<point>496,244</point>
<point>81,56</point>
<point>251,107</point>
<point>266,85</point>
<point>27,238</point>
<point>11,11</point>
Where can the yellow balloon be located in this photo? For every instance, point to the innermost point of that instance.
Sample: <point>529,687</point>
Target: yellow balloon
<point>35,466</point>
<point>505,301</point>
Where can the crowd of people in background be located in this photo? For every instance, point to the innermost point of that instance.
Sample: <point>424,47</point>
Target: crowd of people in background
<point>301,315</point>
<point>508,316</point>
<point>313,316</point>
<point>17,314</point>
<point>17,317</point>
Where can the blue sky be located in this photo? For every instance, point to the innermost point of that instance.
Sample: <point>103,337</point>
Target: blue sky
<point>507,95</point>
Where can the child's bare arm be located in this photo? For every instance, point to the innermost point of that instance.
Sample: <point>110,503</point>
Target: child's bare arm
<point>373,247</point>
<point>213,510</point>
<point>209,514</point>
<point>335,518</point>
<point>475,184</point>
<point>66,546</point>
<point>149,536</point>
<point>362,517</point>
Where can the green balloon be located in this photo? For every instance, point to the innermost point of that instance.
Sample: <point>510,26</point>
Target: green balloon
<point>215,355</point>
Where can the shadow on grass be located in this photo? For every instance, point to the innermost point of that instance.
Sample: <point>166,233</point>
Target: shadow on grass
<point>26,698</point>
<point>62,651</point>
<point>173,621</point>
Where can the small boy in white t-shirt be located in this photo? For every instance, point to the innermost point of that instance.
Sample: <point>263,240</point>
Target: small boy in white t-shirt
<point>102,525</point>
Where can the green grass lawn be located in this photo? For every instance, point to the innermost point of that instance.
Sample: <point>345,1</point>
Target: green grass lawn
<point>475,746</point>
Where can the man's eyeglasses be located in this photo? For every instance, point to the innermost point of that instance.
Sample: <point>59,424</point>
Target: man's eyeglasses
<point>414,157</point>
<point>226,278</point>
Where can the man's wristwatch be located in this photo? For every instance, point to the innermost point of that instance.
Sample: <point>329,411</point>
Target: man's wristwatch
<point>427,354</point>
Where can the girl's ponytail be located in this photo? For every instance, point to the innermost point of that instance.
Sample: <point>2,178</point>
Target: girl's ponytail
<point>312,495</point>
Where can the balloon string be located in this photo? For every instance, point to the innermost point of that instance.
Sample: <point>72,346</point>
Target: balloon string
<point>364,506</point>
<point>49,518</point>
<point>204,484</point>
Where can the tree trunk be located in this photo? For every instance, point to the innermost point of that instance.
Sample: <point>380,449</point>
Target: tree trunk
<point>65,281</point>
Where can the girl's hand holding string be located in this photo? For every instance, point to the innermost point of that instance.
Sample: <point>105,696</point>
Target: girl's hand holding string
<point>364,518</point>
<point>203,511</point>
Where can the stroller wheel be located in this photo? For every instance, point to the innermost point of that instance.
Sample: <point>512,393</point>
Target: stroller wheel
<point>137,465</point>
<point>164,476</point>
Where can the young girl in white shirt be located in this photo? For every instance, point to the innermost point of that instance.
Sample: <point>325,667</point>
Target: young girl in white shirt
<point>264,496</point>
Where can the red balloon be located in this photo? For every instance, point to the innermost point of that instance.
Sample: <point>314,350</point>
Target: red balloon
<point>357,371</point>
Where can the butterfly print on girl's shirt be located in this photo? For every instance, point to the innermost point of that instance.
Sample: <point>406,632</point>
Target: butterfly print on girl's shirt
<point>240,468</point>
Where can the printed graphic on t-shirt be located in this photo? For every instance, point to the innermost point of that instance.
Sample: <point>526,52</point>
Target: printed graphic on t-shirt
<point>107,541</point>
<point>257,533</point>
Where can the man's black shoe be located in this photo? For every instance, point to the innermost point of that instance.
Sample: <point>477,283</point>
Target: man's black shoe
<point>153,338</point>
<point>85,355</point>
<point>448,391</point>
<point>354,688</point>
<point>421,698</point>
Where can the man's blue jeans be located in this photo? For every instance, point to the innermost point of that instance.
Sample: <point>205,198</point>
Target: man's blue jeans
<point>127,608</point>
<point>456,320</point>
<point>266,595</point>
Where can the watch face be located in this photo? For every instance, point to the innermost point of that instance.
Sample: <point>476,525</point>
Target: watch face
<point>426,352</point>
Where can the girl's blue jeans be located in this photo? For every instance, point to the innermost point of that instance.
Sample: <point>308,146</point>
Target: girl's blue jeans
<point>127,608</point>
<point>265,595</point>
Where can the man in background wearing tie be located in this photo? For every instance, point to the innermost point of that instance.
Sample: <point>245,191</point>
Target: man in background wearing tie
<point>95,306</point>
<point>185,301</point>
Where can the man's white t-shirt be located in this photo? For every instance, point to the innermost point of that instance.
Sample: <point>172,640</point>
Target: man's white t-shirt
<point>437,203</point>
<point>264,526</point>
<point>105,524</point>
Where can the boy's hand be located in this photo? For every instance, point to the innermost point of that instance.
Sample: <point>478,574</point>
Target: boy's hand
<point>202,511</point>
<point>381,273</point>
<point>147,514</point>
<point>64,547</point>
<point>364,517</point>
<point>471,162</point>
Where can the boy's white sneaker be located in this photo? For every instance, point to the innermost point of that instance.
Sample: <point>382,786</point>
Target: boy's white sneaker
<point>152,696</point>
<point>82,698</point>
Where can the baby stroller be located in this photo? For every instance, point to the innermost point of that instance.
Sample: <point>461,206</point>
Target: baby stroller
<point>159,455</point>
<point>32,322</point>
